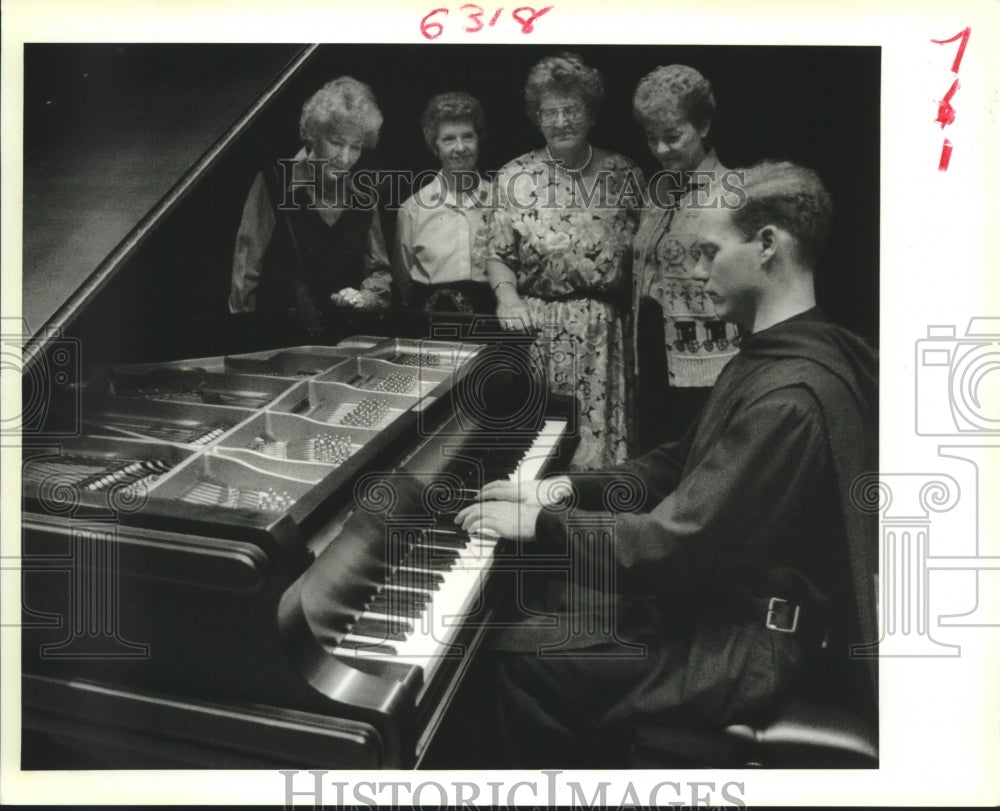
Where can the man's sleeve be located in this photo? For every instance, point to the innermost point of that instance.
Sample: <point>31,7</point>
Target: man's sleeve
<point>658,471</point>
<point>252,239</point>
<point>770,457</point>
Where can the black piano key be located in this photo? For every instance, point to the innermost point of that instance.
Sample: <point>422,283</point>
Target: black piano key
<point>414,596</point>
<point>394,630</point>
<point>368,646</point>
<point>423,559</point>
<point>395,608</point>
<point>447,538</point>
<point>443,553</point>
<point>412,578</point>
<point>402,596</point>
<point>417,571</point>
<point>500,469</point>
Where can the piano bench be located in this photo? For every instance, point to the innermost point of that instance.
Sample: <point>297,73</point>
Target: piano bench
<point>805,734</point>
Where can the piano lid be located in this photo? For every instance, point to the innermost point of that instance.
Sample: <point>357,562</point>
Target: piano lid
<point>115,136</point>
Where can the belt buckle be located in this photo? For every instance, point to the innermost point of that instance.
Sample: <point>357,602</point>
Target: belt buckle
<point>772,610</point>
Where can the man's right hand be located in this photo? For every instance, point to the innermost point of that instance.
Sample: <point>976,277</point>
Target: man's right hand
<point>544,493</point>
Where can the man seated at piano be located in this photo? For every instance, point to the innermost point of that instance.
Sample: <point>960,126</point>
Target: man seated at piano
<point>744,570</point>
<point>308,240</point>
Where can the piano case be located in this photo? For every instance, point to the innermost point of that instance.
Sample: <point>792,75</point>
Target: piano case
<point>211,503</point>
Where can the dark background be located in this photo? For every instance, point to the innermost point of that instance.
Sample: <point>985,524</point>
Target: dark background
<point>815,105</point>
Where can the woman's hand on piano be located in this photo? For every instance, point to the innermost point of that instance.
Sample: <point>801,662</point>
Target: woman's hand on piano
<point>511,311</point>
<point>544,493</point>
<point>512,520</point>
<point>348,297</point>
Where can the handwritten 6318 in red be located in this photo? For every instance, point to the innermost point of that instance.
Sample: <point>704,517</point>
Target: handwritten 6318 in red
<point>431,26</point>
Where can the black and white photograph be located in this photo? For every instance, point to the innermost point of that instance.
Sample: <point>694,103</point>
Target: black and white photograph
<point>489,406</point>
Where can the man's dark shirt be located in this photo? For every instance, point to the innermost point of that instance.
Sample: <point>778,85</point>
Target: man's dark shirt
<point>755,500</point>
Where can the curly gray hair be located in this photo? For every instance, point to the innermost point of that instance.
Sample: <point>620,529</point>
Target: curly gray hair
<point>670,88</point>
<point>343,104</point>
<point>564,73</point>
<point>446,107</point>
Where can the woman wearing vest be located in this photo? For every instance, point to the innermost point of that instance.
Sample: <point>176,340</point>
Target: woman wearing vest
<point>309,239</point>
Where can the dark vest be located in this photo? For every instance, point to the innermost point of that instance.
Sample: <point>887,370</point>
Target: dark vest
<point>332,256</point>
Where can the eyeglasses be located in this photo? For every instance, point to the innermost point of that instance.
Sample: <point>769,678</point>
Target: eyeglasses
<point>572,114</point>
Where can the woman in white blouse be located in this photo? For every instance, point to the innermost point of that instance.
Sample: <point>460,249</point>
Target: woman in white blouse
<point>440,253</point>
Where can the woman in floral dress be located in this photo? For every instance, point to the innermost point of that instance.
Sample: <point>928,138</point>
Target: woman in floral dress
<point>560,241</point>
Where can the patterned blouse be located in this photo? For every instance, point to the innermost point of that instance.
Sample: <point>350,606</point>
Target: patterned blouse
<point>565,236</point>
<point>568,240</point>
<point>698,344</point>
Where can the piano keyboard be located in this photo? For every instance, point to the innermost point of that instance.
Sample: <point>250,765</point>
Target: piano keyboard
<point>438,585</point>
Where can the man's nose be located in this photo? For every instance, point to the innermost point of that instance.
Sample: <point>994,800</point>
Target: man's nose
<point>700,271</point>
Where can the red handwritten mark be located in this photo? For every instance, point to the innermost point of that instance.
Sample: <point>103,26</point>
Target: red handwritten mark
<point>945,156</point>
<point>476,17</point>
<point>525,15</point>
<point>964,36</point>
<point>946,113</point>
<point>528,25</point>
<point>425,27</point>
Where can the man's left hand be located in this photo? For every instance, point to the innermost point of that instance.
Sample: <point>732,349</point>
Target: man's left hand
<point>512,520</point>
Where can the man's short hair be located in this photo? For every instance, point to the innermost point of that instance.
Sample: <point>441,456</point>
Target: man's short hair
<point>789,196</point>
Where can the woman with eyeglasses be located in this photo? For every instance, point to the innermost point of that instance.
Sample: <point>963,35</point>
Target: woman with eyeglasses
<point>559,247</point>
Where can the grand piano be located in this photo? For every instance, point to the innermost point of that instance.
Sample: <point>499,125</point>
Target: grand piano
<point>237,545</point>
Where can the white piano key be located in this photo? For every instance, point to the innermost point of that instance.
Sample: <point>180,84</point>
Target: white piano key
<point>542,449</point>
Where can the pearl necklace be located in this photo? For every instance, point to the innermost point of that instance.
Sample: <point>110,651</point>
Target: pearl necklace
<point>561,168</point>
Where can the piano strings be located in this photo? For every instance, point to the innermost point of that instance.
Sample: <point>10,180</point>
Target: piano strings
<point>328,448</point>
<point>95,474</point>
<point>197,435</point>
<point>209,492</point>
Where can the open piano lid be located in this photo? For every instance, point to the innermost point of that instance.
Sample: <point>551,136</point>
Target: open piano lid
<point>115,137</point>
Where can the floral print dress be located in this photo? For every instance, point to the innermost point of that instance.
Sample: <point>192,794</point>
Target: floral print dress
<point>568,239</point>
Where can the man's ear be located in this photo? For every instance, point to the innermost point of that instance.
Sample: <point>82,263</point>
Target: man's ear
<point>768,239</point>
